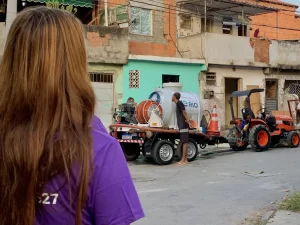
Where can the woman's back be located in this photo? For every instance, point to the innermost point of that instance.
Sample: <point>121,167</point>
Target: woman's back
<point>112,197</point>
<point>56,158</point>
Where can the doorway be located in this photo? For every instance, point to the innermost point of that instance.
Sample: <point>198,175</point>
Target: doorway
<point>271,94</point>
<point>231,85</point>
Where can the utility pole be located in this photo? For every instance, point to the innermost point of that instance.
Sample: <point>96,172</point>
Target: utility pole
<point>11,13</point>
<point>106,13</point>
<point>205,34</point>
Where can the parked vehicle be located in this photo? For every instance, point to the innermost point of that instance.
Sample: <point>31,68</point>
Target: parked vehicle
<point>156,134</point>
<point>260,132</point>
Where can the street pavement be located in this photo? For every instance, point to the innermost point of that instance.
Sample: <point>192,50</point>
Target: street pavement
<point>219,189</point>
<point>285,218</point>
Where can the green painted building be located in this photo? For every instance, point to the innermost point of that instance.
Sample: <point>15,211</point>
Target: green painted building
<point>143,74</point>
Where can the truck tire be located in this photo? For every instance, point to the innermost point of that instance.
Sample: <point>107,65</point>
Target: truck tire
<point>131,151</point>
<point>192,151</point>
<point>259,138</point>
<point>163,152</point>
<point>293,139</point>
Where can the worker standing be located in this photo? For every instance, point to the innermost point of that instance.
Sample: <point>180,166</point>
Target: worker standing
<point>183,126</point>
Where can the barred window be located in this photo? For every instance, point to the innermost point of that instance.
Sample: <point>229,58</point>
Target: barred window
<point>102,77</point>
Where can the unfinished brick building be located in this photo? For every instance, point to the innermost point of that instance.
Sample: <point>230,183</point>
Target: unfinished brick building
<point>281,25</point>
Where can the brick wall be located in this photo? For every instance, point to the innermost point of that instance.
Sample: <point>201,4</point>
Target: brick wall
<point>288,23</point>
<point>104,44</point>
<point>107,44</point>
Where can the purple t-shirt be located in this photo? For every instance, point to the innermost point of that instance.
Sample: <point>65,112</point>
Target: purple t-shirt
<point>112,198</point>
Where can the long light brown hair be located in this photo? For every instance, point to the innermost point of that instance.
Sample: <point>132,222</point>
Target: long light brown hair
<point>46,106</point>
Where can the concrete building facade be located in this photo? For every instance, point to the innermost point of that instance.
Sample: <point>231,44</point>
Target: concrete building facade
<point>234,60</point>
<point>107,49</point>
<point>152,47</point>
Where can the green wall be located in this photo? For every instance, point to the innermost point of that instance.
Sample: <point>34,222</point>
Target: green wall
<point>151,77</point>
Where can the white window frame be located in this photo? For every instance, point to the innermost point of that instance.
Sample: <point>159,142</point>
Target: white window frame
<point>151,22</point>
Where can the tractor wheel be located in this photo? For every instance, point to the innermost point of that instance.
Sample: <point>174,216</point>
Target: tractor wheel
<point>259,138</point>
<point>163,152</point>
<point>192,150</point>
<point>241,146</point>
<point>293,139</point>
<point>237,148</point>
<point>131,151</point>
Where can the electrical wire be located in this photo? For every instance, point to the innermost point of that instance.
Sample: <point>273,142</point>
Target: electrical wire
<point>218,1</point>
<point>209,16</point>
<point>174,11</point>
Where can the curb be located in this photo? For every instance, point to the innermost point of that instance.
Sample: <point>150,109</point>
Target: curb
<point>267,216</point>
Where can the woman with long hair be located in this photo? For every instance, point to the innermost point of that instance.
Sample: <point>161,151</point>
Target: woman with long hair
<point>58,164</point>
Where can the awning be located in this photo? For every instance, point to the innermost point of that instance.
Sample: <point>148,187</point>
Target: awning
<point>78,3</point>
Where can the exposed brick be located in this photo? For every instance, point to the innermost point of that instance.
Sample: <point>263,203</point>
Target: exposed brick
<point>285,19</point>
<point>106,44</point>
<point>261,50</point>
<point>95,39</point>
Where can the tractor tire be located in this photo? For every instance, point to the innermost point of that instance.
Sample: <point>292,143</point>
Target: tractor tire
<point>192,151</point>
<point>293,139</point>
<point>259,138</point>
<point>163,152</point>
<point>131,151</point>
<point>236,148</point>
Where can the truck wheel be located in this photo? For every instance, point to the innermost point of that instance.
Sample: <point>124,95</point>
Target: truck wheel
<point>192,150</point>
<point>131,151</point>
<point>163,152</point>
<point>293,139</point>
<point>259,138</point>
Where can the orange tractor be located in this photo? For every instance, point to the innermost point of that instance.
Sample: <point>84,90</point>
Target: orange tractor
<point>261,132</point>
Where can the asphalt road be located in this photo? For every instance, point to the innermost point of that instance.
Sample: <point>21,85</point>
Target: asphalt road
<point>215,190</point>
